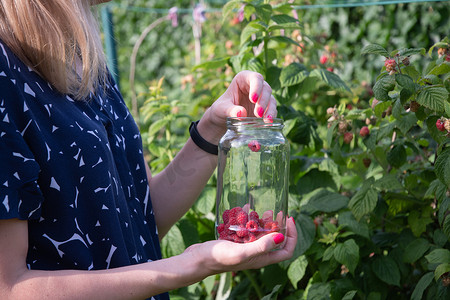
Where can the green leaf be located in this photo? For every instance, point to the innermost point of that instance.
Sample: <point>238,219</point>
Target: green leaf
<point>415,250</point>
<point>297,270</point>
<point>442,167</point>
<point>386,270</point>
<point>347,253</point>
<point>264,12</point>
<point>388,182</point>
<point>383,86</point>
<point>363,202</point>
<point>293,74</point>
<point>273,294</point>
<point>283,19</point>
<point>406,122</point>
<point>229,8</point>
<point>433,98</point>
<point>306,232</point>
<point>212,64</point>
<point>418,221</point>
<point>173,244</point>
<point>157,126</point>
<point>251,29</point>
<point>325,201</point>
<point>421,286</point>
<point>349,295</point>
<point>446,226</point>
<point>440,270</point>
<point>331,79</point>
<point>375,49</point>
<point>206,201</point>
<point>406,82</point>
<point>347,220</point>
<point>272,28</point>
<point>438,256</point>
<point>283,39</point>
<point>440,69</point>
<point>396,156</point>
<point>411,51</point>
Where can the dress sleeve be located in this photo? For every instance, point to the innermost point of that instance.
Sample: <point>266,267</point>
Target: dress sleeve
<point>20,195</point>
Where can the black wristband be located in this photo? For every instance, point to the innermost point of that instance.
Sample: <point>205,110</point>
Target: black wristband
<point>200,141</point>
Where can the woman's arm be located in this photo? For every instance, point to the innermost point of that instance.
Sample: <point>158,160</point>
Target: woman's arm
<point>131,282</point>
<point>177,187</point>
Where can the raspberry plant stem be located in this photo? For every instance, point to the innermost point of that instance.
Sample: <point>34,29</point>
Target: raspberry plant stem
<point>253,283</point>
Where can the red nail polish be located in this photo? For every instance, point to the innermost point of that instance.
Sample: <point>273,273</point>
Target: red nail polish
<point>239,114</point>
<point>254,97</point>
<point>279,238</point>
<point>293,220</point>
<point>260,111</point>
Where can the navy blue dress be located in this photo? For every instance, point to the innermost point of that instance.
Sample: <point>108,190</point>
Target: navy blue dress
<point>75,171</point>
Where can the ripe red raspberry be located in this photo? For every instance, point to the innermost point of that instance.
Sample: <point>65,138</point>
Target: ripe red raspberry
<point>390,65</point>
<point>252,226</point>
<point>348,137</point>
<point>254,146</point>
<point>242,218</point>
<point>364,131</point>
<point>253,215</point>
<point>238,239</point>
<point>221,228</point>
<point>234,212</point>
<point>242,232</point>
<point>440,125</point>
<point>233,221</point>
<point>226,216</point>
<point>250,238</point>
<point>272,226</point>
<point>323,59</point>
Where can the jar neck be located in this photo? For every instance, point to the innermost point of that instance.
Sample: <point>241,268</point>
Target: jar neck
<point>253,123</point>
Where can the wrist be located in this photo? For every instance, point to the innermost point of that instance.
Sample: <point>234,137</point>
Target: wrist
<point>211,131</point>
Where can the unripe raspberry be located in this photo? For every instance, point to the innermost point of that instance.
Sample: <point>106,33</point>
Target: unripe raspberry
<point>323,59</point>
<point>374,102</point>
<point>364,131</point>
<point>447,125</point>
<point>442,51</point>
<point>390,64</point>
<point>331,110</point>
<point>440,125</point>
<point>342,127</point>
<point>348,137</point>
<point>414,106</point>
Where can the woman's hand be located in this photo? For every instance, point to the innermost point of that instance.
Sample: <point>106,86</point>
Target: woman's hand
<point>247,96</point>
<point>223,256</point>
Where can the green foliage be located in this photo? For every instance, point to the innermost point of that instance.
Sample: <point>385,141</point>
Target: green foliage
<point>373,214</point>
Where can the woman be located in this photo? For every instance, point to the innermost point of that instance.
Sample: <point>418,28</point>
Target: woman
<point>80,214</point>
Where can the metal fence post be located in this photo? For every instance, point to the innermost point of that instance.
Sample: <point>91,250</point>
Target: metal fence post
<point>110,43</point>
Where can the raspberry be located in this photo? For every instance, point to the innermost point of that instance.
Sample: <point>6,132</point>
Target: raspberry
<point>221,228</point>
<point>234,212</point>
<point>414,106</point>
<point>250,238</point>
<point>252,226</point>
<point>342,127</point>
<point>331,110</point>
<point>442,51</point>
<point>233,221</point>
<point>390,64</point>
<point>447,125</point>
<point>272,226</point>
<point>254,146</point>
<point>242,232</point>
<point>348,137</point>
<point>238,239</point>
<point>253,216</point>
<point>323,59</point>
<point>364,131</point>
<point>366,161</point>
<point>440,125</point>
<point>226,216</point>
<point>242,218</point>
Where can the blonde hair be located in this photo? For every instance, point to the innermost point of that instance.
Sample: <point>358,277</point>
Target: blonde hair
<point>52,37</point>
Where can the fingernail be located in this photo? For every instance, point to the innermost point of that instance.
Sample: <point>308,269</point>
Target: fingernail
<point>254,97</point>
<point>269,119</point>
<point>279,238</point>
<point>239,114</point>
<point>260,111</point>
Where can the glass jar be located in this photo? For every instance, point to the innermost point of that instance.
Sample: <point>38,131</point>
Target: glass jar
<point>252,180</point>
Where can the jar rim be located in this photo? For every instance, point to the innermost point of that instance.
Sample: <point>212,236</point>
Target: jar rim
<point>254,121</point>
